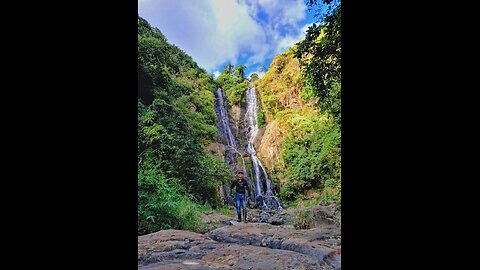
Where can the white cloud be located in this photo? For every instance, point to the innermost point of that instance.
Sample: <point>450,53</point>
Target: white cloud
<point>216,74</point>
<point>284,12</point>
<point>289,40</point>
<point>214,32</point>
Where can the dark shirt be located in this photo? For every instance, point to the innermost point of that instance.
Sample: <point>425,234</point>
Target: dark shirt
<point>240,187</point>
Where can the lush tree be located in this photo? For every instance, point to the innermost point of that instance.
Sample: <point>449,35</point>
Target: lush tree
<point>240,71</point>
<point>312,161</point>
<point>176,119</point>
<point>234,86</point>
<point>320,56</point>
<point>254,77</point>
<point>228,69</point>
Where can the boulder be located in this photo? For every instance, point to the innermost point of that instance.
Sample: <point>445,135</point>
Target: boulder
<point>276,221</point>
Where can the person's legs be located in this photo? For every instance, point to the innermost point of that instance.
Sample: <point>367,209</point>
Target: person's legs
<point>240,202</point>
<point>244,208</point>
<point>238,199</point>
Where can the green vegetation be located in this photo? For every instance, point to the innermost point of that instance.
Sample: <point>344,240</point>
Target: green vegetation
<point>312,160</point>
<point>280,85</point>
<point>176,119</point>
<point>320,56</point>
<point>260,119</point>
<point>234,84</point>
<point>254,77</point>
<point>163,203</point>
<point>223,209</point>
<point>301,91</point>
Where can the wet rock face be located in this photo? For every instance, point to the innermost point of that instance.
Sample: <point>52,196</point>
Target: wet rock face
<point>173,249</point>
<point>236,114</point>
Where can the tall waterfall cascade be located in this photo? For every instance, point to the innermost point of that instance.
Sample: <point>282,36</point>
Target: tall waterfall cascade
<point>262,192</point>
<point>263,184</point>
<point>228,137</point>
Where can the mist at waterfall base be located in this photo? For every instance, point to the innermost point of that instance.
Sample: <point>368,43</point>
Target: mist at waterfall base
<point>261,188</point>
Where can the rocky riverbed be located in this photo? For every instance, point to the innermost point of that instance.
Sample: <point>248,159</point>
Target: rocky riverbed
<point>254,245</point>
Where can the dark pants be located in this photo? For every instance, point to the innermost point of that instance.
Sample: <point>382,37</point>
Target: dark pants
<point>240,202</point>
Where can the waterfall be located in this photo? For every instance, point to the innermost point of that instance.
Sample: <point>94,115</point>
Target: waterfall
<point>224,119</point>
<point>225,131</point>
<point>266,198</point>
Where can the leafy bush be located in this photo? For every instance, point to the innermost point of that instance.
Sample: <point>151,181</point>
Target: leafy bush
<point>260,119</point>
<point>287,192</point>
<point>163,204</point>
<point>313,158</point>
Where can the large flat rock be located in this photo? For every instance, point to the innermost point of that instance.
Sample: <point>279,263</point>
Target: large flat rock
<point>322,243</point>
<point>174,249</point>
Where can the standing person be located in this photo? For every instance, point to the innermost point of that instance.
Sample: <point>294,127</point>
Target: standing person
<point>242,189</point>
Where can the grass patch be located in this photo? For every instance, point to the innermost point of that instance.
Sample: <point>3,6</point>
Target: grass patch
<point>302,219</point>
<point>225,210</point>
<point>222,210</point>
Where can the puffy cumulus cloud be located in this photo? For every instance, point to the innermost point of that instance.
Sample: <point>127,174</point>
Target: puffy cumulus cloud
<point>283,12</point>
<point>289,40</point>
<point>277,13</point>
<point>281,21</point>
<point>212,31</point>
<point>215,32</point>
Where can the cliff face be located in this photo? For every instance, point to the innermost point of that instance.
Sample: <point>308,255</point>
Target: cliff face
<point>280,88</point>
<point>236,113</point>
<point>269,144</point>
<point>279,91</point>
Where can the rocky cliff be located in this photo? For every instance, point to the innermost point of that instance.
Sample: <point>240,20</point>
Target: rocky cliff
<point>279,90</point>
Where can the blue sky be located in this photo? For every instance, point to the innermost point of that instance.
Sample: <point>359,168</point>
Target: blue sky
<point>217,32</point>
